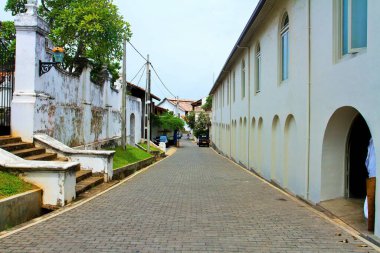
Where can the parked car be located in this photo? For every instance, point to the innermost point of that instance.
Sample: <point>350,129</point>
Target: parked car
<point>203,140</point>
<point>162,138</point>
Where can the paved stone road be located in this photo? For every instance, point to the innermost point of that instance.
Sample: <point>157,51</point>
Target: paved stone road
<point>193,201</point>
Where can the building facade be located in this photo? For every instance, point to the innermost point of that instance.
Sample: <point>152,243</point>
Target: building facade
<point>296,99</point>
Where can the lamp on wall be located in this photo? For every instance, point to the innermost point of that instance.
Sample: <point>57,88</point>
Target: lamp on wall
<point>58,53</point>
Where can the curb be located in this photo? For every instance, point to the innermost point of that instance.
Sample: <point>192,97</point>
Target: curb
<point>74,205</point>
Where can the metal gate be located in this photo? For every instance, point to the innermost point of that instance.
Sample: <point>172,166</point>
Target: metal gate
<point>7,67</point>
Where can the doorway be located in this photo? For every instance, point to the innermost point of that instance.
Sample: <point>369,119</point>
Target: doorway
<point>357,145</point>
<point>343,177</point>
<point>132,130</point>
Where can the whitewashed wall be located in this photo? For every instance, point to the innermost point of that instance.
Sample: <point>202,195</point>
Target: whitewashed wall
<point>267,149</point>
<point>134,108</point>
<point>68,108</point>
<point>274,140</point>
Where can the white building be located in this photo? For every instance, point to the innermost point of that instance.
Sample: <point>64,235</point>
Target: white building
<point>296,100</point>
<point>180,107</point>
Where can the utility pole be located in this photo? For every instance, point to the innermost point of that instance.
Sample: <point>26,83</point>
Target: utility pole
<point>177,107</point>
<point>123,98</point>
<point>147,104</point>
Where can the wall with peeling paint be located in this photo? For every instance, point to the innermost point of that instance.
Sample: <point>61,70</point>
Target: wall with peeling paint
<point>134,109</point>
<point>66,107</point>
<point>76,111</point>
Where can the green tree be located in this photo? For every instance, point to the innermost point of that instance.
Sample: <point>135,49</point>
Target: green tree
<point>202,124</point>
<point>8,38</point>
<point>168,121</point>
<point>15,6</point>
<point>190,119</point>
<point>91,31</point>
<point>208,105</point>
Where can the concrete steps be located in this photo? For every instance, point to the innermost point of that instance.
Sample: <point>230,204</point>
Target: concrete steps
<point>29,152</point>
<point>88,183</point>
<point>42,157</point>
<point>10,147</point>
<point>84,178</point>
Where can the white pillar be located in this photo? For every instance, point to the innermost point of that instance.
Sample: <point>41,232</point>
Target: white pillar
<point>30,48</point>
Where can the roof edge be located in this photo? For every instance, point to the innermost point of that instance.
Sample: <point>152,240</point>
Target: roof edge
<point>252,19</point>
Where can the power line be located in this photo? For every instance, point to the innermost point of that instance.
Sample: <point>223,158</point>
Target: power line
<point>142,73</point>
<point>159,78</point>
<point>137,73</point>
<point>137,51</point>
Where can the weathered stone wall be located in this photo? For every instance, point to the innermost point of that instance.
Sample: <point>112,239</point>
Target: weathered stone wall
<point>66,107</point>
<point>76,111</point>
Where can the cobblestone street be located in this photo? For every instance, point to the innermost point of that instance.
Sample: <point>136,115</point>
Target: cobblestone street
<point>193,201</point>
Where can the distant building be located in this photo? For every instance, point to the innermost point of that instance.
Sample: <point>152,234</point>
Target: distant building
<point>180,107</point>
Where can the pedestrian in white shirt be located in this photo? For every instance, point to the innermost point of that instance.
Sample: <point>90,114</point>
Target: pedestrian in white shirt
<point>369,204</point>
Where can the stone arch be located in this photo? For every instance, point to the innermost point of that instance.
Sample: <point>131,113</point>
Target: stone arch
<point>276,172</point>
<point>240,140</point>
<point>292,171</point>
<point>234,136</point>
<point>228,136</point>
<point>260,144</point>
<point>336,154</point>
<point>252,143</point>
<point>132,130</point>
<point>245,143</point>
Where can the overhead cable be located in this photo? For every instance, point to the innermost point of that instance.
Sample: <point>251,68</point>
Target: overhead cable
<point>137,51</point>
<point>159,78</point>
<point>137,73</point>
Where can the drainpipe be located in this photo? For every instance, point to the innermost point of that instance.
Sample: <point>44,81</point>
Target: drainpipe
<point>308,102</point>
<point>230,83</point>
<point>249,106</point>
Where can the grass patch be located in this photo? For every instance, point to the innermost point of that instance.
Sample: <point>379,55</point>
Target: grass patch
<point>11,185</point>
<point>152,148</point>
<point>130,155</point>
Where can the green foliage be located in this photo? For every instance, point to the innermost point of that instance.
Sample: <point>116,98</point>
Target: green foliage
<point>170,122</point>
<point>89,30</point>
<point>208,105</point>
<point>130,155</point>
<point>190,119</point>
<point>155,120</point>
<point>8,36</point>
<point>202,124</point>
<point>11,185</point>
<point>15,6</point>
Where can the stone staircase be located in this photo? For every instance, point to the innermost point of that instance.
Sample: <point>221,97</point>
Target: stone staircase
<point>85,180</point>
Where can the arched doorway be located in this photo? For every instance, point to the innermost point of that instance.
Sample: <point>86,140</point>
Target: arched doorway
<point>132,129</point>
<point>343,155</point>
<point>357,145</point>
<point>343,171</point>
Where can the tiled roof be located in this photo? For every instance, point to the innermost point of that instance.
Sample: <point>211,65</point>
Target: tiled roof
<point>183,104</point>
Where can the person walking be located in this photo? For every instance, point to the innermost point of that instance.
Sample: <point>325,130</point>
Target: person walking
<point>371,184</point>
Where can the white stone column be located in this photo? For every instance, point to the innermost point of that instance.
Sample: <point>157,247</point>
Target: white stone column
<point>30,48</point>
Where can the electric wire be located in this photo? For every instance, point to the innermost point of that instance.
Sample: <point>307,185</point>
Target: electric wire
<point>159,78</point>
<point>137,51</point>
<point>141,77</point>
<point>137,73</point>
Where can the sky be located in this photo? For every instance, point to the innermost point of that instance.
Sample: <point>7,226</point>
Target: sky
<point>188,41</point>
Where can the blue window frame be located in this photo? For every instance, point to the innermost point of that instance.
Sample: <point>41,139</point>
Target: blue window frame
<point>285,48</point>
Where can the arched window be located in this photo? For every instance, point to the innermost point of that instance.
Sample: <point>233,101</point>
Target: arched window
<point>284,34</point>
<point>242,78</point>
<point>258,68</point>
